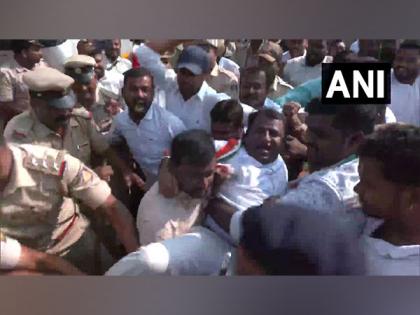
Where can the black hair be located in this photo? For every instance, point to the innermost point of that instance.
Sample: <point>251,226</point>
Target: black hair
<point>288,240</point>
<point>348,118</point>
<point>18,45</point>
<point>410,44</point>
<point>267,112</point>
<point>342,56</point>
<point>269,72</point>
<point>195,147</point>
<point>397,148</point>
<point>137,73</point>
<point>228,111</point>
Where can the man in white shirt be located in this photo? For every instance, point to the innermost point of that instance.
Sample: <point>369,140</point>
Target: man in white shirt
<point>192,165</point>
<point>147,128</point>
<point>301,69</point>
<point>389,191</point>
<point>405,84</point>
<point>333,136</point>
<point>115,62</point>
<point>259,173</point>
<point>295,48</point>
<point>187,95</point>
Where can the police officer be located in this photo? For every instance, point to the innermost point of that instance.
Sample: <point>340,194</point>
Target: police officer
<point>53,124</point>
<point>38,188</point>
<point>14,96</point>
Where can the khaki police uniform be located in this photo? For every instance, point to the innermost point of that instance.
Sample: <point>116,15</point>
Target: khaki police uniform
<point>224,81</point>
<point>37,206</point>
<point>80,139</point>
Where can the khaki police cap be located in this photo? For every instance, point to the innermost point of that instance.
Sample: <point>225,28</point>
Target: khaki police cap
<point>80,68</point>
<point>51,85</point>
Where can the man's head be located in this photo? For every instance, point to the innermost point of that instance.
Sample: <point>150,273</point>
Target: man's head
<point>407,62</point>
<point>110,92</point>
<point>138,91</point>
<point>85,47</point>
<point>287,240</point>
<point>192,69</point>
<point>270,55</point>
<point>369,48</point>
<point>254,85</point>
<point>27,52</point>
<point>335,47</point>
<point>317,50</point>
<point>193,162</point>
<point>214,48</point>
<point>265,134</point>
<point>99,64</point>
<point>227,120</point>
<point>112,49</point>
<point>336,131</point>
<point>296,47</point>
<point>81,69</point>
<point>389,170</point>
<point>51,98</point>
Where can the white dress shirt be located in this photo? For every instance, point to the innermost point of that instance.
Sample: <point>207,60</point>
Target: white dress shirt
<point>286,56</point>
<point>386,259</point>
<point>149,139</point>
<point>194,112</point>
<point>250,184</point>
<point>405,101</point>
<point>329,190</point>
<point>297,72</point>
<point>120,65</point>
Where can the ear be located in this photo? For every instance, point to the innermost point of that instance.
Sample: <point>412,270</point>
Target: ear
<point>354,140</point>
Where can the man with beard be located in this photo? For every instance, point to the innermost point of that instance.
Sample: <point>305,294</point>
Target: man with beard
<point>52,126</point>
<point>405,84</point>
<point>187,95</point>
<point>301,69</point>
<point>254,87</point>
<point>389,191</point>
<point>147,127</point>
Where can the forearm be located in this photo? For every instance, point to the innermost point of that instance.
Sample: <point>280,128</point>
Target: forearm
<point>116,162</point>
<point>122,222</point>
<point>221,212</point>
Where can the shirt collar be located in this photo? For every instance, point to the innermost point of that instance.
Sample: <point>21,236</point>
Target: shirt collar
<point>20,177</point>
<point>202,92</point>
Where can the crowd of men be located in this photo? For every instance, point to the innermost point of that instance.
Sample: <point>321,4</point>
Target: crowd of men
<point>206,157</point>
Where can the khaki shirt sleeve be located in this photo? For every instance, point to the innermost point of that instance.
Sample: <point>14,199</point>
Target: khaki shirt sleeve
<point>6,86</point>
<point>84,184</point>
<point>99,142</point>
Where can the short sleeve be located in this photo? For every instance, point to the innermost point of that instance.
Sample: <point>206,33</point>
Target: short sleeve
<point>10,251</point>
<point>84,184</point>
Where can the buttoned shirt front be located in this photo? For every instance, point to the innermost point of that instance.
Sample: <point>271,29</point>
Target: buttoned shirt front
<point>194,112</point>
<point>36,205</point>
<point>161,218</point>
<point>80,139</point>
<point>405,101</point>
<point>149,139</point>
<point>297,72</point>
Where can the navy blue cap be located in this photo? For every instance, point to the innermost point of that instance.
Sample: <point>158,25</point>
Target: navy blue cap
<point>195,59</point>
